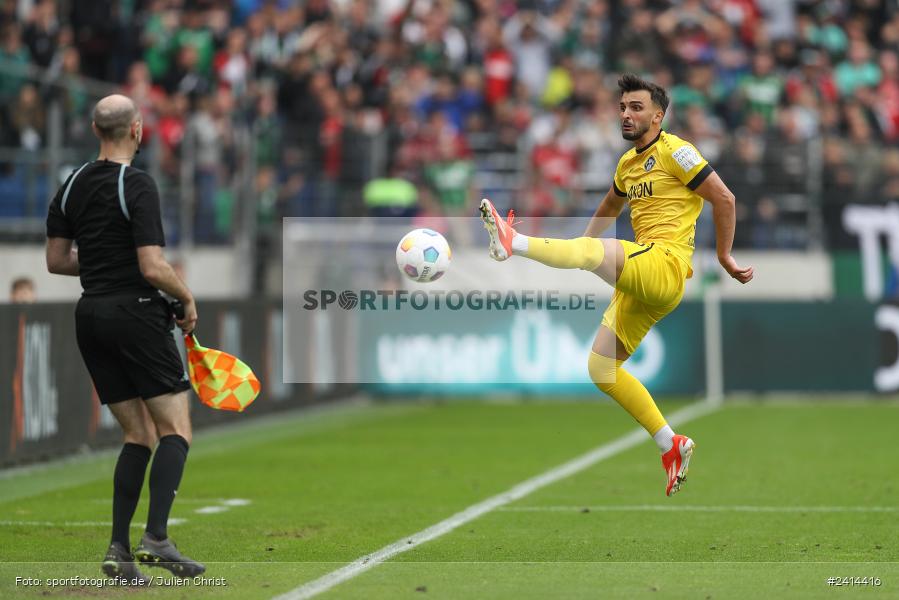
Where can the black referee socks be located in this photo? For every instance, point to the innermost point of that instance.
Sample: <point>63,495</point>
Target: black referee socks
<point>127,483</point>
<point>165,475</point>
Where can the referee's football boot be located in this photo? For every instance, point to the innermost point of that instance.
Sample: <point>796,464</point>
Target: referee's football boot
<point>676,463</point>
<point>119,562</point>
<point>500,230</point>
<point>163,553</point>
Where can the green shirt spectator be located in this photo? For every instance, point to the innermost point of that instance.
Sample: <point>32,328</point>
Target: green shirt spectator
<point>201,39</point>
<point>700,88</point>
<point>15,59</point>
<point>831,37</point>
<point>159,35</point>
<point>451,181</point>
<point>763,88</point>
<point>684,96</point>
<point>268,141</point>
<point>858,71</point>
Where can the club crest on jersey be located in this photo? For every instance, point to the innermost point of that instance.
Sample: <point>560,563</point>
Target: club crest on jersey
<point>649,164</point>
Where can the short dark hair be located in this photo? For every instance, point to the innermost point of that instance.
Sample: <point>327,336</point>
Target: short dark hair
<point>632,83</point>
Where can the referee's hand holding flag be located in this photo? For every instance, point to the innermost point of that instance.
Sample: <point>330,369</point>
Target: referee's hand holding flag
<point>185,317</point>
<point>221,381</point>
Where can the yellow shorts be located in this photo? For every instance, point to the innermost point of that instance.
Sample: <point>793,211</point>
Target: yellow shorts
<point>651,286</point>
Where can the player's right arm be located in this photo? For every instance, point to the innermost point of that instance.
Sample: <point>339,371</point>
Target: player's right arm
<point>160,274</point>
<point>62,257</point>
<point>607,211</point>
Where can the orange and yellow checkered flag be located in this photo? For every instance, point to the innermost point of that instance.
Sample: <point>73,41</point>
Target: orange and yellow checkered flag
<point>220,380</point>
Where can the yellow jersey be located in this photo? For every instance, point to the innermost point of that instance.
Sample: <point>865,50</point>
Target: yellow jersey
<point>658,181</point>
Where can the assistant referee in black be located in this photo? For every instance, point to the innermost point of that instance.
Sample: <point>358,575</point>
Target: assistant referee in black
<point>110,210</point>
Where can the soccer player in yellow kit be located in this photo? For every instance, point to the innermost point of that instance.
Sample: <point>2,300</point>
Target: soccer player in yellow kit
<point>665,179</point>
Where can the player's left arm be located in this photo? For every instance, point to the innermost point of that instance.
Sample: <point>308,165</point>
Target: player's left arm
<point>62,258</point>
<point>723,204</point>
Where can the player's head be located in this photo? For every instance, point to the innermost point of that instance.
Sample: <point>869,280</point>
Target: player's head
<point>642,106</point>
<point>117,120</point>
<point>22,291</point>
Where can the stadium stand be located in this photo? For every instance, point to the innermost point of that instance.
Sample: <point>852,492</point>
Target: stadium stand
<point>261,109</point>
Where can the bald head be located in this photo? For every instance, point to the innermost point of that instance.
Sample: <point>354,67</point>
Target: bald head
<point>113,117</point>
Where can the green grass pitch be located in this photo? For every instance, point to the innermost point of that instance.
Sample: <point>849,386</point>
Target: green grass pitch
<point>779,498</point>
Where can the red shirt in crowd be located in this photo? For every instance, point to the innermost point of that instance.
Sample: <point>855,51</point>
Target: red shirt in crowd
<point>557,164</point>
<point>498,72</point>
<point>171,131</point>
<point>330,142</point>
<point>888,92</point>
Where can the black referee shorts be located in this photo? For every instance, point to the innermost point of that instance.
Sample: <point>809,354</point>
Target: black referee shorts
<point>127,345</point>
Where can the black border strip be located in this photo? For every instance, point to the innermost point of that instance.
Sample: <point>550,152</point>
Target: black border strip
<point>700,177</point>
<point>649,145</point>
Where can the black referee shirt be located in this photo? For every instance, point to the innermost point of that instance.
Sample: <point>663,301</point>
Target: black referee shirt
<point>109,209</point>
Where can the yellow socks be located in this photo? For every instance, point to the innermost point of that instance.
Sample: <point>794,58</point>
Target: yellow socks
<point>627,390</point>
<point>580,253</point>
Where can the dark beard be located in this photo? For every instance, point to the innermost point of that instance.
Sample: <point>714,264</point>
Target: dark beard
<point>636,134</point>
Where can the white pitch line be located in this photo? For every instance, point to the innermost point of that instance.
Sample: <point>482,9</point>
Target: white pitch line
<point>222,501</point>
<point>236,502</point>
<point>211,510</point>
<point>689,508</point>
<point>174,521</point>
<point>598,454</point>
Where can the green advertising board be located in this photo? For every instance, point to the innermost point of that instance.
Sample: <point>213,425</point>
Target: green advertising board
<point>800,346</point>
<point>520,351</point>
<point>768,346</point>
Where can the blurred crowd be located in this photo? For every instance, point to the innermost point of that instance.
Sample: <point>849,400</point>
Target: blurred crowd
<point>418,107</point>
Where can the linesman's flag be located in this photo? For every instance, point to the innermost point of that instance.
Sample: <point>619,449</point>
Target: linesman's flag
<point>221,381</point>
